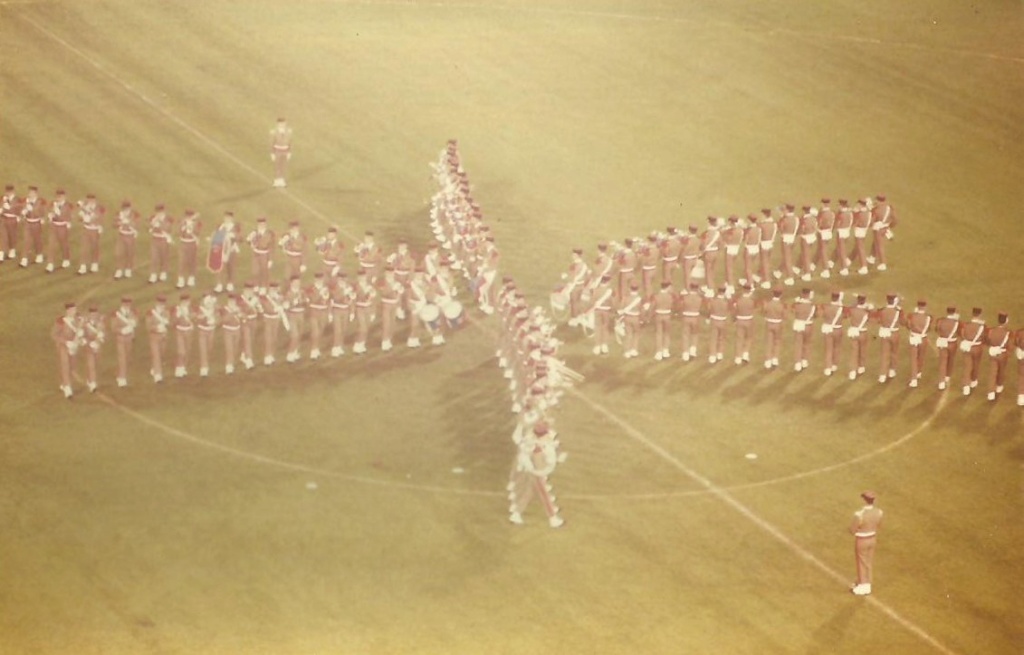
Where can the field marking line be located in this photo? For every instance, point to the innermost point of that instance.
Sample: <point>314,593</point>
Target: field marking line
<point>730,500</point>
<point>209,141</point>
<point>589,13</point>
<point>720,493</point>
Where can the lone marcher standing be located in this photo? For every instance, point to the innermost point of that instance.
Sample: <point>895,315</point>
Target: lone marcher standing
<point>864,528</point>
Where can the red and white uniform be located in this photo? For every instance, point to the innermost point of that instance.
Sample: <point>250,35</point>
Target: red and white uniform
<point>789,227</point>
<point>826,233</point>
<point>124,322</point>
<point>183,318</point>
<point>206,326</point>
<point>158,326</point>
<point>59,217</point>
<point>889,319</point>
<point>972,345</point>
<point>261,241</point>
<point>10,216</point>
<point>769,230</point>
<point>883,220</point>
<point>691,303</point>
<point>663,305</point>
<point>808,242</point>
<point>231,319</point>
<point>998,342</point>
<point>832,331</point>
<point>369,256</point>
<point>365,311</point>
<point>318,298</point>
<point>743,314</point>
<point>718,316</point>
<point>843,229</point>
<point>280,151</point>
<point>857,333</point>
<point>947,336</point>
<point>330,251</point>
<point>630,309</point>
<point>751,252</point>
<point>774,312</point>
<point>296,302</point>
<point>390,292</point>
<point>919,326</point>
<point>188,248</point>
<point>251,308</point>
<point>710,244</point>
<point>732,240</point>
<point>126,230</point>
<point>671,248</point>
<point>90,214</point>
<point>648,258</point>
<point>68,336</point>
<point>625,267</point>
<point>861,225</point>
<point>95,331</point>
<point>804,313</point>
<point>293,245</point>
<point>33,212</point>
<point>232,233</point>
<point>160,226</point>
<point>535,462</point>
<point>342,296</point>
<point>602,307</point>
<point>274,314</point>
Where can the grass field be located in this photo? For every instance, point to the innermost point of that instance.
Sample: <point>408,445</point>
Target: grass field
<point>177,519</point>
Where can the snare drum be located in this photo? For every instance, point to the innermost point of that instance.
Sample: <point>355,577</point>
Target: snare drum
<point>430,314</point>
<point>452,311</point>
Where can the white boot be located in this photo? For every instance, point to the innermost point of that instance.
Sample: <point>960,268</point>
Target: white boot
<point>152,278</point>
<point>413,342</point>
<point>122,382</point>
<point>49,267</point>
<point>314,353</point>
<point>95,267</point>
<point>385,345</point>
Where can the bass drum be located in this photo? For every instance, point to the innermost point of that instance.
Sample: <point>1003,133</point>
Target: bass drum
<point>453,313</point>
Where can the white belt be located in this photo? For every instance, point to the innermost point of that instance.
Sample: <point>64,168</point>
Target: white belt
<point>864,535</point>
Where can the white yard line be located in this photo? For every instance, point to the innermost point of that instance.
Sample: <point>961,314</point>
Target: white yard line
<point>635,434</point>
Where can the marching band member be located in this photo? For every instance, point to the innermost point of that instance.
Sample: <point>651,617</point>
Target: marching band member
<point>789,226</point>
<point>126,228</point>
<point>10,216</point>
<point>710,242</point>
<point>318,298</point>
<point>947,332</point>
<point>732,239</point>
<point>972,336</point>
<point>68,335</point>
<point>691,303</point>
<point>574,278</point>
<point>603,303</point>
<point>184,328</point>
<point>90,213</point>
<point>251,308</point>
<point>774,312</point>
<point>368,254</point>
<point>843,228</point>
<point>882,221</point>
<point>997,339</point>
<point>663,304</point>
<point>188,248</point>
<point>124,323</point>
<point>365,309</point>
<point>629,315</point>
<point>404,263</point>
<point>919,324</point>
<point>95,332</point>
<point>888,332</point>
<point>33,209</point>
<point>416,301</point>
<point>261,242</point>
<point>861,224</point>
<point>390,293</point>
<point>625,267</point>
<point>295,302</point>
<point>158,324</point>
<point>160,225</point>
<point>280,151</point>
<point>223,248</point>
<point>330,251</point>
<point>857,333</point>
<point>832,331</point>
<point>342,295</point>
<point>743,314</point>
<point>804,311</point>
<point>232,316</point>
<point>671,247</point>
<point>206,322</point>
<point>808,242</point>
<point>59,217</point>
<point>825,227</point>
<point>718,314</point>
<point>648,262</point>
<point>487,274</point>
<point>768,229</point>
<point>536,461</point>
<point>751,251</point>
<point>274,315</point>
<point>293,243</point>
